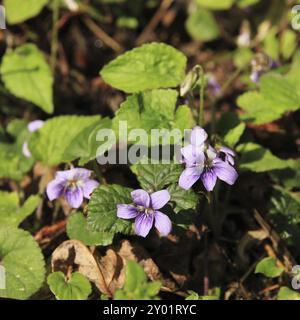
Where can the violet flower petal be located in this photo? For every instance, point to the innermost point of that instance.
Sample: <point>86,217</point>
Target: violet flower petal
<point>209,180</point>
<point>35,125</point>
<point>227,150</point>
<point>225,172</point>
<point>143,224</point>
<point>198,136</point>
<point>126,211</point>
<point>55,189</point>
<point>193,155</point>
<point>159,199</point>
<point>74,197</point>
<point>188,177</point>
<point>25,150</point>
<point>141,198</point>
<point>88,187</point>
<point>162,223</point>
<point>81,173</point>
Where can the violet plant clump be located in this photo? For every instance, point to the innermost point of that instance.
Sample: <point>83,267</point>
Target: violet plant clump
<point>74,185</point>
<point>202,161</point>
<point>145,211</point>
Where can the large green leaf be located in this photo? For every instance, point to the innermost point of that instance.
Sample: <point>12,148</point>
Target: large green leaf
<point>20,10</point>
<point>48,144</point>
<point>154,109</point>
<point>258,159</point>
<point>102,209</point>
<point>202,25</point>
<point>87,143</point>
<point>77,287</point>
<point>27,75</point>
<point>11,213</point>
<point>23,262</point>
<point>136,286</point>
<point>277,95</point>
<point>151,66</point>
<point>77,229</point>
<point>268,268</point>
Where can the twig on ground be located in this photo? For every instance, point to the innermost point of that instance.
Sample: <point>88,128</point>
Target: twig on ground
<point>159,14</point>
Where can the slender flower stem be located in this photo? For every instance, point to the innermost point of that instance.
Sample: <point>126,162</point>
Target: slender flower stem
<point>201,106</point>
<point>54,37</point>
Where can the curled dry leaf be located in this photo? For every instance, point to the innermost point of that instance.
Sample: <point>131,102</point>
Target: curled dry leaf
<point>106,271</point>
<point>75,255</point>
<point>247,241</point>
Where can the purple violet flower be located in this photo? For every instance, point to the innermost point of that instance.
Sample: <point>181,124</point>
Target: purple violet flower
<point>213,86</point>
<point>207,164</point>
<point>228,155</point>
<point>74,185</point>
<point>145,211</point>
<point>32,126</point>
<point>194,152</point>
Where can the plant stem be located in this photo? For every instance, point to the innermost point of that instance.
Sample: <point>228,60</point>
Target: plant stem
<point>201,106</point>
<point>54,37</point>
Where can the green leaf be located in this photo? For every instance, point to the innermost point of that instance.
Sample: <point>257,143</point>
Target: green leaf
<point>183,118</point>
<point>184,200</point>
<point>136,286</point>
<point>202,25</point>
<point>86,145</point>
<point>23,262</point>
<point>242,57</point>
<point>277,96</point>
<point>288,43</point>
<point>48,144</point>
<point>77,229</point>
<point>268,268</point>
<point>13,164</point>
<point>11,214</point>
<point>230,128</point>
<point>293,75</point>
<point>27,75</point>
<point>151,66</point>
<point>102,209</point>
<point>271,44</point>
<point>286,293</point>
<point>77,287</point>
<point>216,4</point>
<point>284,213</point>
<point>155,176</point>
<point>258,159</point>
<point>214,294</point>
<point>19,10</point>
<point>154,109</point>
